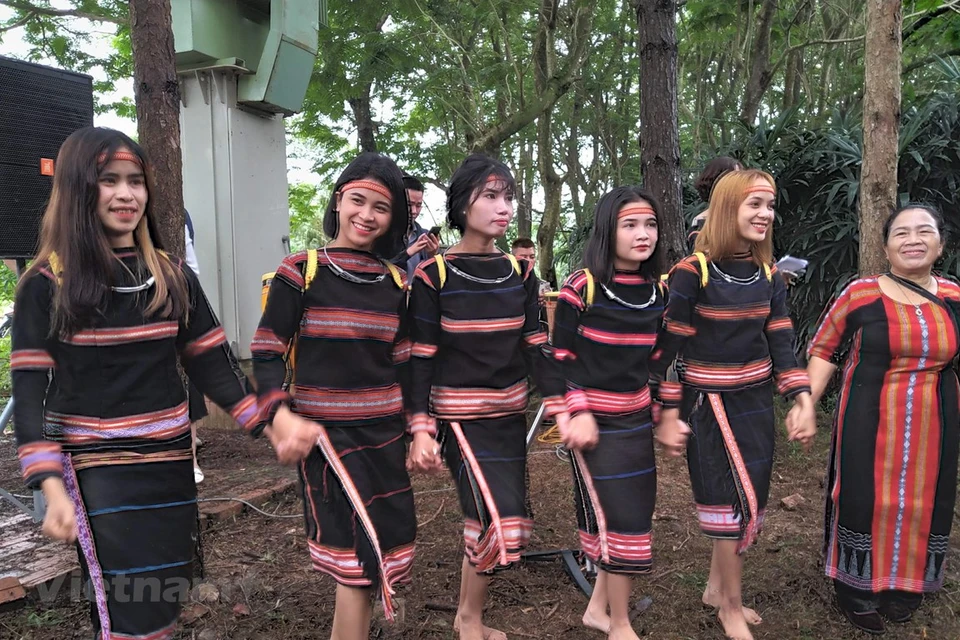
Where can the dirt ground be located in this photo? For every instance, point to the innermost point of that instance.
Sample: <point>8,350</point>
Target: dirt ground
<point>265,589</point>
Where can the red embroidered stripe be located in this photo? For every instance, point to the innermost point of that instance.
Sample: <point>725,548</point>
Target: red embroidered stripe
<point>780,324</point>
<point>31,360</point>
<point>491,325</point>
<point>792,380</point>
<point>609,402</point>
<point>744,312</point>
<point>671,393</point>
<point>349,324</point>
<point>402,350</point>
<point>123,335</point>
<point>571,297</point>
<point>247,412</point>
<point>348,404</point>
<point>357,263</point>
<point>576,401</point>
<point>265,341</point>
<point>727,376</point>
<point>554,405</point>
<point>40,457</point>
<point>536,339</point>
<point>484,551</point>
<point>210,340</point>
<point>563,354</point>
<point>629,278</point>
<point>679,328</point>
<point>420,274</point>
<point>628,549</point>
<point>82,461</point>
<point>686,265</point>
<point>342,564</point>
<point>618,339</point>
<point>455,403</point>
<point>421,350</point>
<point>718,519</point>
<point>156,425</point>
<point>291,270</point>
<point>422,422</point>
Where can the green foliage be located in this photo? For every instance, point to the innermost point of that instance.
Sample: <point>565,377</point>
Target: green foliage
<point>818,180</point>
<point>6,383</point>
<point>307,205</point>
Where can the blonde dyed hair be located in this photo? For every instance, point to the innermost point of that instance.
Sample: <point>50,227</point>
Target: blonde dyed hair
<point>721,237</point>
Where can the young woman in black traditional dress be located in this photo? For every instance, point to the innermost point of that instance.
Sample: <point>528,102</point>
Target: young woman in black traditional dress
<point>727,316</point>
<point>605,327</point>
<point>474,317</point>
<point>344,307</point>
<point>101,416</point>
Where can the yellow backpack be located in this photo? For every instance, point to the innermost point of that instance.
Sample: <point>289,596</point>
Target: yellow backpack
<point>309,273</point>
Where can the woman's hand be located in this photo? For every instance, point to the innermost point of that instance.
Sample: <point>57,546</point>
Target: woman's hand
<point>424,454</point>
<point>293,437</point>
<point>672,432</point>
<point>802,421</point>
<point>579,432</point>
<point>60,520</point>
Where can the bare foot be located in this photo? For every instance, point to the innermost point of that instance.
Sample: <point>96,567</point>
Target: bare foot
<point>598,620</point>
<point>475,630</point>
<point>735,624</point>
<point>711,598</point>
<point>623,632</point>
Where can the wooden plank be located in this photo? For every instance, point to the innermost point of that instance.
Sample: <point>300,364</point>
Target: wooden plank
<point>11,590</point>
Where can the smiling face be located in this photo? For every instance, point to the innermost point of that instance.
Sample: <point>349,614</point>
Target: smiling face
<point>637,233</point>
<point>491,210</point>
<point>364,214</point>
<point>914,242</point>
<point>123,197</point>
<point>755,215</point>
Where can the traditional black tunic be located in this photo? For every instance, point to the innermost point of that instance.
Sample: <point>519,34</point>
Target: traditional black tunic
<point>476,338</point>
<point>351,362</point>
<point>601,352</point>
<point>105,409</point>
<point>736,339</point>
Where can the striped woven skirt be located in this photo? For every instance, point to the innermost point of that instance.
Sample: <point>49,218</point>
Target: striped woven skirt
<point>136,532</point>
<point>488,460</point>
<point>730,457</point>
<point>615,490</point>
<point>358,506</point>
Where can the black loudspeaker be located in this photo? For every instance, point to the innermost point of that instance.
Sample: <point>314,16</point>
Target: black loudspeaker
<point>39,107</point>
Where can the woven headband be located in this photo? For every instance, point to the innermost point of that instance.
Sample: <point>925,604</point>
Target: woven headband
<point>120,155</point>
<point>635,209</point>
<point>367,184</point>
<point>762,189</point>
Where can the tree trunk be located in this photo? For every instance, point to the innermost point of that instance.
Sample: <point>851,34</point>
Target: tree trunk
<point>552,192</point>
<point>760,67</point>
<point>525,189</point>
<point>157,94</point>
<point>660,139</point>
<point>363,117</point>
<point>881,128</point>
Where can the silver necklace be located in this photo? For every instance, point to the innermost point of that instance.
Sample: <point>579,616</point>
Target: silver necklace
<point>732,280</point>
<point>615,298</point>
<point>471,278</point>
<point>346,275</point>
<point>137,288</point>
<point>916,305</point>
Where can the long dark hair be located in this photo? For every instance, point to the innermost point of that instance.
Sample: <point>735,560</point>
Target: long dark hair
<point>469,177</point>
<point>385,171</point>
<point>601,250</point>
<point>715,169</point>
<point>73,230</point>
